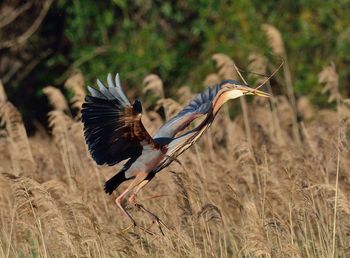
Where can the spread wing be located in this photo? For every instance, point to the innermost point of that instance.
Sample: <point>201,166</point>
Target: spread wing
<point>112,125</point>
<point>199,106</point>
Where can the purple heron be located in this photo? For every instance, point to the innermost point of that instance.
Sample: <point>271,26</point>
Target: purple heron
<point>114,132</point>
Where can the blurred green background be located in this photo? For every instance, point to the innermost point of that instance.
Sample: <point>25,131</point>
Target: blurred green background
<point>174,39</point>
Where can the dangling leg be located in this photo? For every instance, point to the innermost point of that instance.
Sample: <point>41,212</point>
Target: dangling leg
<point>139,178</point>
<point>153,217</point>
<point>132,198</point>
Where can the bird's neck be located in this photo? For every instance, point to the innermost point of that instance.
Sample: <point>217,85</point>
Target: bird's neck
<point>222,97</point>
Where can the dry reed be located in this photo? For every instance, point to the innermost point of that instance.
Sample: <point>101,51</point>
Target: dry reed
<point>229,198</point>
<point>154,84</point>
<point>275,41</point>
<point>75,83</point>
<point>56,98</point>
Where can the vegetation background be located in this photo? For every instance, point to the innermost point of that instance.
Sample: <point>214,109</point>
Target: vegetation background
<point>271,178</point>
<point>173,39</point>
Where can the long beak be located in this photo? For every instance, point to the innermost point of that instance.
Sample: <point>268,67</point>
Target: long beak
<point>251,91</point>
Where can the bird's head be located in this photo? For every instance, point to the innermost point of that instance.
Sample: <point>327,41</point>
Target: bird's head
<point>231,89</point>
<point>234,89</point>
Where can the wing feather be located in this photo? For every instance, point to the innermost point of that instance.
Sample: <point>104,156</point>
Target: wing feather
<point>197,107</point>
<point>120,91</point>
<point>112,126</point>
<point>104,90</point>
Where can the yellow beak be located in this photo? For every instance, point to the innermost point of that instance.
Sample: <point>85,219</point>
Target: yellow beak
<point>251,91</point>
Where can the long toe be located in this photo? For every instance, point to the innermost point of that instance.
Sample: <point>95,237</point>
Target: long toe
<point>160,228</point>
<point>127,229</point>
<point>154,218</point>
<point>136,226</point>
<point>146,230</point>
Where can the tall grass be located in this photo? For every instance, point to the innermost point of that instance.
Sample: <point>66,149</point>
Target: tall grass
<point>266,195</point>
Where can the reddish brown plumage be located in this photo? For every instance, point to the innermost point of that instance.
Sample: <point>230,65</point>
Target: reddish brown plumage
<point>134,129</point>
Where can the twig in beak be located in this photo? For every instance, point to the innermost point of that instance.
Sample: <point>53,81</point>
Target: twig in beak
<point>268,78</point>
<point>240,75</point>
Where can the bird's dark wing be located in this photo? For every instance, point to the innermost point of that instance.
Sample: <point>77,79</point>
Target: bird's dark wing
<point>112,126</point>
<point>199,106</point>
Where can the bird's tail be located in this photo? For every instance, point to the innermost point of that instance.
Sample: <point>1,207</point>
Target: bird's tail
<point>114,182</point>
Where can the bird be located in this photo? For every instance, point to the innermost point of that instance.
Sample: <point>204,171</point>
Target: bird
<point>114,132</point>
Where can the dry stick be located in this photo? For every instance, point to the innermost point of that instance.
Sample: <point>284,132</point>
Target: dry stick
<point>31,30</point>
<point>274,118</point>
<point>228,125</point>
<point>335,204</point>
<point>209,139</point>
<point>101,187</point>
<point>31,65</point>
<point>11,72</point>
<point>264,184</point>
<point>246,121</point>
<point>199,159</point>
<point>321,228</point>
<point>244,110</point>
<point>273,107</point>
<point>153,197</point>
<point>306,238</point>
<point>244,103</point>
<point>96,52</point>
<point>291,223</point>
<point>2,251</point>
<point>336,185</point>
<point>291,97</point>
<point>3,97</point>
<point>11,230</point>
<point>269,77</point>
<point>10,15</point>
<point>38,224</point>
<point>266,81</point>
<point>307,138</point>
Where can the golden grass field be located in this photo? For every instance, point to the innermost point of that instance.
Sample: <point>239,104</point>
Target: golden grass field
<point>260,184</point>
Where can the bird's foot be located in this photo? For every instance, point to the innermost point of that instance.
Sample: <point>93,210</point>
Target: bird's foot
<point>153,217</point>
<point>132,200</point>
<point>136,226</point>
<point>146,230</point>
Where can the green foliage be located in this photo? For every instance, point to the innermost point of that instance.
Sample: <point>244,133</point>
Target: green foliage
<point>177,39</point>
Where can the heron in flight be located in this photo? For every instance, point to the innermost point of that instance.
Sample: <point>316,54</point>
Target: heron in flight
<point>114,132</point>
